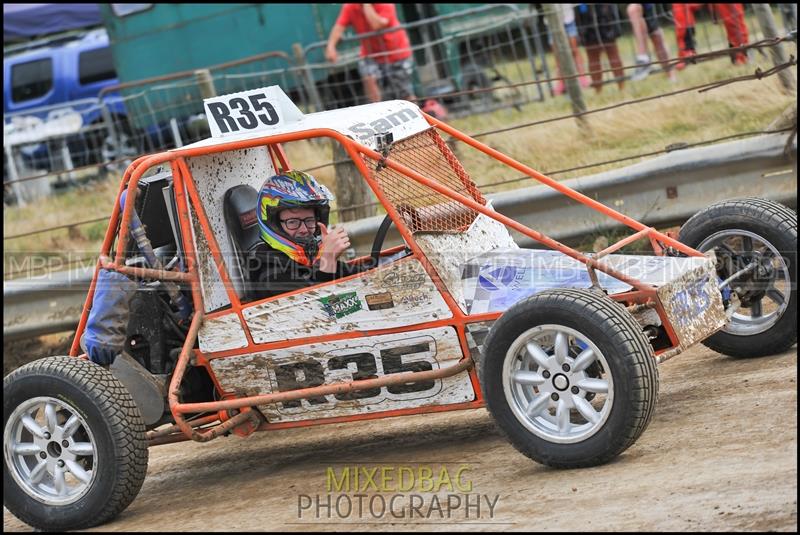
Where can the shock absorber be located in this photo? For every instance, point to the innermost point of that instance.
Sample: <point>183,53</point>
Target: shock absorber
<point>138,233</point>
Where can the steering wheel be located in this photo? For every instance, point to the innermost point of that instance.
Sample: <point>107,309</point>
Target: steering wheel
<point>380,236</point>
<point>377,244</point>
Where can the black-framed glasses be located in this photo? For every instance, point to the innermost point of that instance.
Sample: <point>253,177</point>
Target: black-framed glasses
<point>293,223</point>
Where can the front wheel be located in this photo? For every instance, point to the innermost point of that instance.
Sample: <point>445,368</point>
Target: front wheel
<point>569,377</point>
<point>755,241</point>
<point>74,448</point>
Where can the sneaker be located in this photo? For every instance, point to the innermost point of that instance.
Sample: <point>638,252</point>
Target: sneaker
<point>643,69</point>
<point>685,54</point>
<point>560,88</point>
<point>585,81</point>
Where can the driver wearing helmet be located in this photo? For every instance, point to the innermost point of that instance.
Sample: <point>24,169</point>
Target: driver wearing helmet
<point>293,211</point>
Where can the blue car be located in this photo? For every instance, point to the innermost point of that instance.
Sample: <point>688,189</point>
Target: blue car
<point>39,84</point>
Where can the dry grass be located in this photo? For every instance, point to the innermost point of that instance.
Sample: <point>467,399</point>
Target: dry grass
<point>639,128</point>
<point>635,129</point>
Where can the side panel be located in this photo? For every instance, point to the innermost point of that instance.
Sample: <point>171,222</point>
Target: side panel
<point>693,303</point>
<point>476,337</point>
<point>199,35</point>
<point>361,358</point>
<point>396,295</point>
<point>221,333</point>
<point>449,252</point>
<point>494,281</point>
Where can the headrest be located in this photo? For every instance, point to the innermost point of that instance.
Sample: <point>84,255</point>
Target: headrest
<point>239,206</point>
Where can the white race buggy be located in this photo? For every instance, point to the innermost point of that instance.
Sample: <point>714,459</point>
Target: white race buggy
<point>561,346</point>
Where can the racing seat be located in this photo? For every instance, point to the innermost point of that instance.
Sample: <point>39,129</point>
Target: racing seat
<point>239,208</point>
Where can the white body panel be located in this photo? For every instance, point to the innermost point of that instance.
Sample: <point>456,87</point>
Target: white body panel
<point>361,123</point>
<point>396,295</point>
<point>342,361</point>
<point>221,333</point>
<point>494,281</point>
<point>448,252</point>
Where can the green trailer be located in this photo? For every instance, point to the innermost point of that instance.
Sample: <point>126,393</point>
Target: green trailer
<point>170,56</point>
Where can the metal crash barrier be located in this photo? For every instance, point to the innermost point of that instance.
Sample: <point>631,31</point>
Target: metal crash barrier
<point>663,191</point>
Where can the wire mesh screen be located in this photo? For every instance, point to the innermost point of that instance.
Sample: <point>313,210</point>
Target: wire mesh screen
<point>423,208</point>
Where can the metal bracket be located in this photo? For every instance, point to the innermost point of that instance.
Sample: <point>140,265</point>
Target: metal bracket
<point>383,143</point>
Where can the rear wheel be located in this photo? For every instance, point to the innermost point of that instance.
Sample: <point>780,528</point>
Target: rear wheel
<point>755,240</point>
<point>74,448</point>
<point>569,377</point>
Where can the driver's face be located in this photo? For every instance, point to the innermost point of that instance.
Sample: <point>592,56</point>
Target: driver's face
<point>301,214</point>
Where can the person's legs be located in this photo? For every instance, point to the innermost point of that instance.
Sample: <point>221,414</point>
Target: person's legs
<point>370,73</point>
<point>636,16</point>
<point>571,30</point>
<point>396,80</point>
<point>657,37</point>
<point>560,86</point>
<point>371,89</point>
<point>683,14</point>
<point>732,16</point>
<point>578,57</point>
<point>595,66</point>
<point>738,10</point>
<point>616,63</point>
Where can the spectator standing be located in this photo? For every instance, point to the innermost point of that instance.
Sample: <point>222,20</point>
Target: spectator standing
<point>644,21</point>
<point>732,16</point>
<point>386,64</point>
<point>598,29</point>
<point>568,17</point>
<point>683,15</point>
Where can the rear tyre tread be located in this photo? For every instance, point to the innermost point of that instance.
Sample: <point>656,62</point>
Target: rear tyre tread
<point>779,223</point>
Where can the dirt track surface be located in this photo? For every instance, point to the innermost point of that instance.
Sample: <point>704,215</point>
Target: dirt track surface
<point>720,454</point>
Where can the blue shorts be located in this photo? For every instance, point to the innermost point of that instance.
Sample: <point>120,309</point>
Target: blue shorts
<point>572,29</point>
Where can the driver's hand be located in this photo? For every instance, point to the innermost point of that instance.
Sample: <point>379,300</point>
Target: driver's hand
<point>334,243</point>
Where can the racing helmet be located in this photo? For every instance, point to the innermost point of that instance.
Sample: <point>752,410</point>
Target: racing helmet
<point>291,189</point>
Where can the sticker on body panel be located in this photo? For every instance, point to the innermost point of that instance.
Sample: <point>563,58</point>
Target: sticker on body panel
<point>398,118</point>
<point>335,362</point>
<point>341,305</point>
<point>379,301</point>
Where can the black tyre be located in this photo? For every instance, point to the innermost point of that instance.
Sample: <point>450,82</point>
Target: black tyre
<point>763,234</point>
<point>74,448</point>
<point>569,377</point>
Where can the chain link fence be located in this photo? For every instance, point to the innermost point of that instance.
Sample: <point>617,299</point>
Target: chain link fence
<point>474,61</point>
